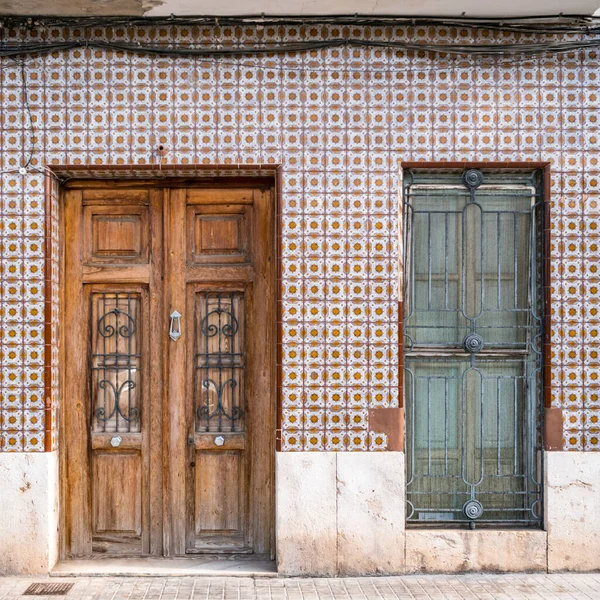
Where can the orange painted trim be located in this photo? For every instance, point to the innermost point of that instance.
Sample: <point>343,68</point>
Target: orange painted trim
<point>389,421</point>
<point>48,292</point>
<point>165,171</point>
<point>278,302</point>
<point>553,429</point>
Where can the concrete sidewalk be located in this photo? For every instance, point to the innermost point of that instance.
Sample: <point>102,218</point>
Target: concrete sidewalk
<point>421,587</point>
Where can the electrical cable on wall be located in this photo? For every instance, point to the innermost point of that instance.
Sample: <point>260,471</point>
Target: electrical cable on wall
<point>27,165</point>
<point>170,49</point>
<point>25,97</point>
<point>216,53</point>
<point>586,27</point>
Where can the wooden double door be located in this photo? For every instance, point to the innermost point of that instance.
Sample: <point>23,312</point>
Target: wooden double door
<point>168,367</point>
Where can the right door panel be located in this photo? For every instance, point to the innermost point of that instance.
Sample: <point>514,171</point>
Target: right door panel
<point>219,399</point>
<point>221,279</point>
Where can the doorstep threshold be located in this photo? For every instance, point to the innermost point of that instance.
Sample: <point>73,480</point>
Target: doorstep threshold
<point>147,566</point>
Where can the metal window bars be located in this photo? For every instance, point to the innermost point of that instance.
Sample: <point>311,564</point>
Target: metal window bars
<point>473,346</point>
<point>220,362</point>
<point>116,363</point>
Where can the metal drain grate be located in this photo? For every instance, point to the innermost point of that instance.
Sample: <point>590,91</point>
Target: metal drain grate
<point>48,589</point>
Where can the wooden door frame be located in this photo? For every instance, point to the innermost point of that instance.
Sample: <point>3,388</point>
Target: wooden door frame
<point>68,177</point>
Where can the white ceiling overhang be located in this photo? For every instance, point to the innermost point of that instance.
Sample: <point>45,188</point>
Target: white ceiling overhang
<point>436,8</point>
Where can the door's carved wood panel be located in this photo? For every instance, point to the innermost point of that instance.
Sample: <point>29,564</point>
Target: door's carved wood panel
<point>221,196</point>
<point>116,235</point>
<point>220,502</point>
<point>217,234</point>
<point>220,487</point>
<point>117,493</point>
<point>229,364</point>
<point>117,356</point>
<point>115,196</point>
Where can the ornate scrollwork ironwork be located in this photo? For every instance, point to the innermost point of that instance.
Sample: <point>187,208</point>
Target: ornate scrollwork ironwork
<point>229,328</point>
<point>472,343</point>
<point>472,509</point>
<point>107,330</point>
<point>133,413</point>
<point>115,363</point>
<point>472,178</point>
<point>220,362</point>
<point>204,411</point>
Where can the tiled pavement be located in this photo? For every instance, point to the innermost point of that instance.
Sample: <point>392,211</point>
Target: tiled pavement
<point>430,587</point>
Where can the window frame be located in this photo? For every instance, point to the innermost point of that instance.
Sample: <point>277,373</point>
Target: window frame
<point>550,425</point>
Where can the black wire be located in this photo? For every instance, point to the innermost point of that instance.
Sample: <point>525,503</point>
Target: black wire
<point>13,50</point>
<point>25,93</point>
<point>172,49</point>
<point>453,62</point>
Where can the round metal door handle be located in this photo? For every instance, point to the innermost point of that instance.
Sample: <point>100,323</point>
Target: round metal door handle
<point>219,440</point>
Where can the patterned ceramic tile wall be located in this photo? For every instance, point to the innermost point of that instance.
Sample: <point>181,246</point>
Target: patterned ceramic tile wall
<point>339,121</point>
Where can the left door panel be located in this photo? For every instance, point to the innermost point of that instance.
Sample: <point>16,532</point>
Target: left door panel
<point>113,380</point>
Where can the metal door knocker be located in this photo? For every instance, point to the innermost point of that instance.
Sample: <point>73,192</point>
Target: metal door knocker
<point>175,328</point>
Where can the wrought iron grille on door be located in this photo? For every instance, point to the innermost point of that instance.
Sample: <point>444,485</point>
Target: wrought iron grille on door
<point>473,298</point>
<point>116,363</point>
<point>219,377</point>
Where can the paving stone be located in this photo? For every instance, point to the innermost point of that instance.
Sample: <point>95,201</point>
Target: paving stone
<point>567,586</point>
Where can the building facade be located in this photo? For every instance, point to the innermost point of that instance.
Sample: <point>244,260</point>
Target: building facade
<point>336,307</point>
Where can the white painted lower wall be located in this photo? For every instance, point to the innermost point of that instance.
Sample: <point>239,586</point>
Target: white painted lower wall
<point>370,512</point>
<point>306,513</point>
<point>572,495</point>
<point>343,514</point>
<point>29,513</point>
<point>463,551</point>
<point>340,513</point>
